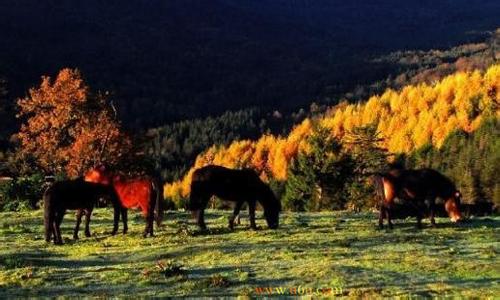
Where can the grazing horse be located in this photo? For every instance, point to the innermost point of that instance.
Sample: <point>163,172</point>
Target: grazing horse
<point>419,188</point>
<point>74,194</point>
<point>232,185</point>
<point>144,193</point>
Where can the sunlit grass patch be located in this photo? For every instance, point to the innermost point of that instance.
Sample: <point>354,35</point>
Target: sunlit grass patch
<point>311,250</point>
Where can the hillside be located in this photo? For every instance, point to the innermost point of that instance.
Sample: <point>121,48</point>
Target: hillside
<point>408,119</point>
<point>330,250</point>
<point>165,61</point>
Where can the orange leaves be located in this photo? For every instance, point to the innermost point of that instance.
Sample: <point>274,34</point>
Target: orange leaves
<point>65,128</point>
<point>409,119</point>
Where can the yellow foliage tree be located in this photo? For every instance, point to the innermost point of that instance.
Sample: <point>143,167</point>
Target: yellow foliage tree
<point>408,119</point>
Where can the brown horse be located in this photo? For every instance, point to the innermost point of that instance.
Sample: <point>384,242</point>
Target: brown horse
<point>74,194</point>
<point>419,188</point>
<point>238,186</point>
<point>142,192</point>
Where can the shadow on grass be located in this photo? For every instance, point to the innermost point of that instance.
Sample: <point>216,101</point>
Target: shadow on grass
<point>42,258</point>
<point>413,282</point>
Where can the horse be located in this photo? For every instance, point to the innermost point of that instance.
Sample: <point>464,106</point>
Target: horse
<point>238,186</point>
<point>419,188</point>
<point>74,194</point>
<point>141,192</point>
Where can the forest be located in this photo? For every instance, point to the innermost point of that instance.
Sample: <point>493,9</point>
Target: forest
<point>416,119</point>
<point>436,100</point>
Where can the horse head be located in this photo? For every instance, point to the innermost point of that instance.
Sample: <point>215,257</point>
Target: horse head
<point>452,206</point>
<point>98,174</point>
<point>272,207</point>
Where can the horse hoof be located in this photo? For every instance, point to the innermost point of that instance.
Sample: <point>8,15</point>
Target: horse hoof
<point>88,235</point>
<point>75,237</point>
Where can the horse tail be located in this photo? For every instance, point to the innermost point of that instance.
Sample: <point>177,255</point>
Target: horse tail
<point>158,210</point>
<point>49,217</point>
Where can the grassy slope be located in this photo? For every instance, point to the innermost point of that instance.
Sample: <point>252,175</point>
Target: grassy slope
<point>317,250</point>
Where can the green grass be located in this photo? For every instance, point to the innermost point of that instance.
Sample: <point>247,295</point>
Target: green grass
<point>336,250</point>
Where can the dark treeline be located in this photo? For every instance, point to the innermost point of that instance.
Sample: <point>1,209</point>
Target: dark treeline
<point>175,146</point>
<point>166,61</point>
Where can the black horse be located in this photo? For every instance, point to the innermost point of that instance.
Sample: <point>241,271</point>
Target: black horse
<point>79,195</point>
<point>419,190</point>
<point>239,186</point>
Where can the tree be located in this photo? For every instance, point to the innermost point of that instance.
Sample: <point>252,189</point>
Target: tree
<point>364,144</point>
<point>317,177</point>
<point>67,128</point>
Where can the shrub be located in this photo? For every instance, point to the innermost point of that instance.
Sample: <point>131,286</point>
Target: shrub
<point>22,193</point>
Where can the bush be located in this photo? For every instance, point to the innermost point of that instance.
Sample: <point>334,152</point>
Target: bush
<point>22,193</point>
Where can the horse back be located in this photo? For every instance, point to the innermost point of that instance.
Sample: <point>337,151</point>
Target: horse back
<point>227,184</point>
<point>74,194</point>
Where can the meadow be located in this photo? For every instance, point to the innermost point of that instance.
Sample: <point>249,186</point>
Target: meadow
<point>328,253</point>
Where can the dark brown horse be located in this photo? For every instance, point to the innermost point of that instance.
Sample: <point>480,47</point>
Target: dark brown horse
<point>142,192</point>
<point>419,189</point>
<point>74,194</point>
<point>238,186</point>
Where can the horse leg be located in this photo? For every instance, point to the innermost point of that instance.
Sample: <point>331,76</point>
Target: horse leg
<point>151,218</point>
<point>201,219</point>
<point>57,227</point>
<point>77,225</point>
<point>389,219</point>
<point>433,222</point>
<point>124,219</point>
<point>432,208</point>
<point>49,226</point>
<point>116,218</point>
<point>55,232</point>
<point>251,213</point>
<point>236,212</point>
<point>381,217</point>
<point>88,213</point>
<point>149,221</point>
<point>419,221</point>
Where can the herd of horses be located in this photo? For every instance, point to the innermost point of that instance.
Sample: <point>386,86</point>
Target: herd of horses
<point>418,188</point>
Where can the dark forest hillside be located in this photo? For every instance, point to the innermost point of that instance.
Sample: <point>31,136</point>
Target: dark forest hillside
<point>170,60</point>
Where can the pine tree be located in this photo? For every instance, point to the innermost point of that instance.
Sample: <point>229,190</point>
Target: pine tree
<point>318,176</point>
<point>364,144</point>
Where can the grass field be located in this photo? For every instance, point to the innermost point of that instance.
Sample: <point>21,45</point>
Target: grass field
<point>312,253</point>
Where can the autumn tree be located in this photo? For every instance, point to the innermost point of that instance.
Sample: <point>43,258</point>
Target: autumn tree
<point>66,128</point>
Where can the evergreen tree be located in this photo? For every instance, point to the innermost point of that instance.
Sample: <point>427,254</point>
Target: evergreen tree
<point>364,144</point>
<point>317,177</point>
